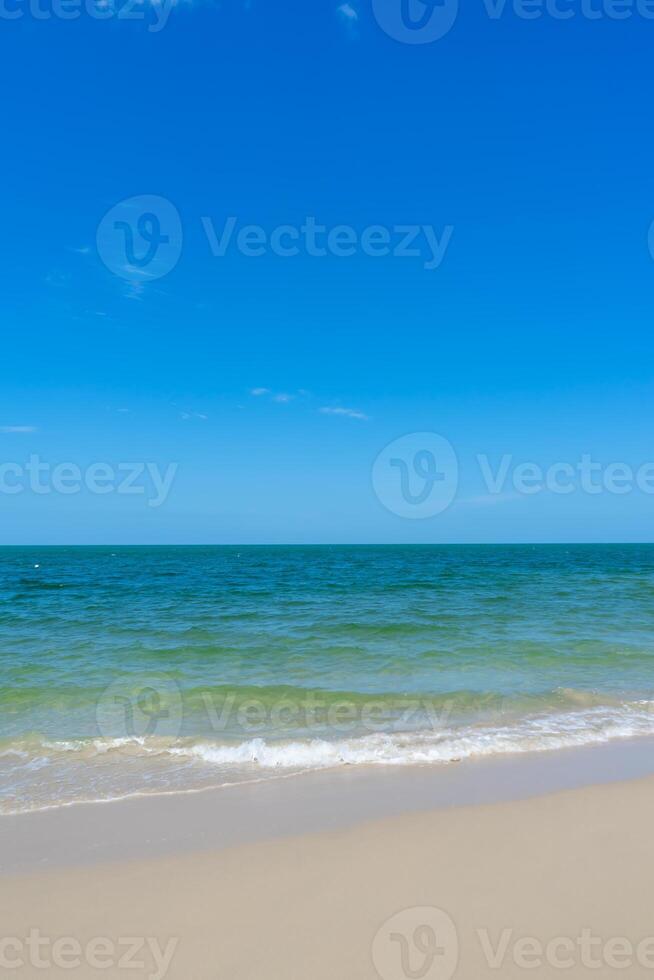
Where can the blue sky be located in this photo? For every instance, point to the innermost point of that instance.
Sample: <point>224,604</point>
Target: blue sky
<point>529,139</point>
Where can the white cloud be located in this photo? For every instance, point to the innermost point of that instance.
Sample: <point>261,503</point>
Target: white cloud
<point>133,290</point>
<point>350,413</point>
<point>57,279</point>
<point>347,12</point>
<point>285,397</point>
<point>194,415</point>
<point>349,17</point>
<point>8,429</point>
<point>282,397</point>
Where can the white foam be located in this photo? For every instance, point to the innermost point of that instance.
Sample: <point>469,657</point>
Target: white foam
<point>592,726</point>
<point>40,773</point>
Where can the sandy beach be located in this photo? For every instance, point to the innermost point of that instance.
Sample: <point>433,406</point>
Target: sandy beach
<point>549,884</point>
<point>327,486</point>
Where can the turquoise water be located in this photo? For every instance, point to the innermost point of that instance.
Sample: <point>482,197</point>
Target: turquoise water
<point>143,670</point>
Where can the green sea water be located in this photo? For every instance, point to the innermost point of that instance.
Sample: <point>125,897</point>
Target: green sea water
<point>154,669</point>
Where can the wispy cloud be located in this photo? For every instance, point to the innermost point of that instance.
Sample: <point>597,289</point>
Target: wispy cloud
<point>13,429</point>
<point>349,17</point>
<point>285,397</point>
<point>187,416</point>
<point>133,290</point>
<point>347,11</point>
<point>57,279</point>
<point>281,397</point>
<point>350,413</point>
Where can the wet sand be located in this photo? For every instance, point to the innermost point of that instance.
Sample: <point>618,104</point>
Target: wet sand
<point>316,887</point>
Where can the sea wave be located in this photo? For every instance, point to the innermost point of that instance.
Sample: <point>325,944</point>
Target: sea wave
<point>587,726</point>
<point>590,727</point>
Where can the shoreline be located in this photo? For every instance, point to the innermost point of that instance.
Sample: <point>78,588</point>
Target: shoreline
<point>558,881</point>
<point>164,824</point>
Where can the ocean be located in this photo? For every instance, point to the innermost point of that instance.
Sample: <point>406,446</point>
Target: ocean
<point>142,670</point>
